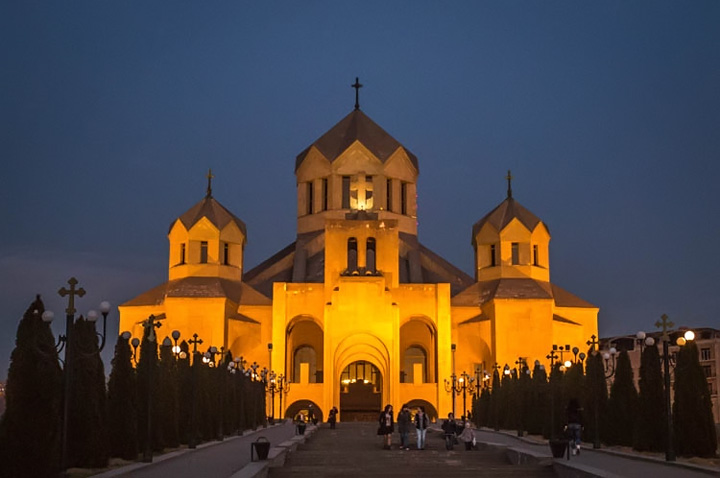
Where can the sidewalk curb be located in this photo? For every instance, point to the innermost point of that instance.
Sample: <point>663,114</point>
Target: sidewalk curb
<point>276,458</point>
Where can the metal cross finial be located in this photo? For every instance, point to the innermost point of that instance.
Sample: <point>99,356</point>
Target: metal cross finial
<point>666,325</point>
<point>357,87</point>
<point>72,292</point>
<point>509,180</point>
<point>209,188</point>
<point>195,342</point>
<point>592,343</point>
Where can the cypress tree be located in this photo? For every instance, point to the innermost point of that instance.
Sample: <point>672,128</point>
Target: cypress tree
<point>693,422</point>
<point>596,397</point>
<point>30,428</point>
<point>484,406</point>
<point>147,391</point>
<point>185,389</point>
<point>495,401</point>
<point>168,406</point>
<point>573,388</point>
<point>557,407</point>
<point>87,433</point>
<point>650,429</point>
<point>622,404</point>
<point>122,413</point>
<point>538,408</point>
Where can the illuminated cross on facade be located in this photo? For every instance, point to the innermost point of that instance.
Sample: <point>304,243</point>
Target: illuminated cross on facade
<point>357,87</point>
<point>209,188</point>
<point>509,180</point>
<point>72,292</point>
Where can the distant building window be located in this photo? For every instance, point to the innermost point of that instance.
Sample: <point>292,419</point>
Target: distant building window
<point>309,197</point>
<point>305,354</point>
<point>324,194</point>
<point>346,192</point>
<point>493,262</point>
<point>413,355</point>
<point>515,253</point>
<point>403,199</point>
<point>705,354</point>
<point>370,255</point>
<point>226,253</point>
<point>388,194</point>
<point>203,252</point>
<point>535,255</point>
<point>707,369</point>
<point>182,253</point>
<point>352,254</point>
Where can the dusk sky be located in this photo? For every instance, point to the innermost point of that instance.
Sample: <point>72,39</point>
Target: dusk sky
<point>607,113</point>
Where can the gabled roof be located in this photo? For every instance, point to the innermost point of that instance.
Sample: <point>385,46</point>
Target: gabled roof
<point>505,212</point>
<point>484,291</point>
<point>213,211</point>
<point>201,287</point>
<point>356,126</point>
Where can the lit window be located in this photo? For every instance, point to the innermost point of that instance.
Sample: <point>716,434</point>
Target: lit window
<point>226,254</point>
<point>705,354</point>
<point>346,192</point>
<point>309,197</point>
<point>515,253</point>
<point>182,253</point>
<point>388,194</point>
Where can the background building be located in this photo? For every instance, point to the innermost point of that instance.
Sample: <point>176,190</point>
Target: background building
<point>708,344</point>
<point>356,312</point>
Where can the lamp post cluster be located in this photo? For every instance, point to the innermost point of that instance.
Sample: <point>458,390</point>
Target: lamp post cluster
<point>275,384</point>
<point>66,342</point>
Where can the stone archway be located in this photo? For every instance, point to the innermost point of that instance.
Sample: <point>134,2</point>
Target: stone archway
<point>307,407</point>
<point>360,392</point>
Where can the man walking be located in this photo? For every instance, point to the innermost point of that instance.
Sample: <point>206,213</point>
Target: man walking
<point>421,425</point>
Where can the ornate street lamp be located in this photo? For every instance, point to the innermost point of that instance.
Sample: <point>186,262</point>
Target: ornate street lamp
<point>268,378</point>
<point>451,385</point>
<point>283,387</point>
<point>195,341</point>
<point>149,325</point>
<point>467,385</point>
<point>64,341</point>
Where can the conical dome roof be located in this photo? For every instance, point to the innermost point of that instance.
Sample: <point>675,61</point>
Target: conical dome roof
<point>215,212</point>
<point>356,126</point>
<point>505,212</point>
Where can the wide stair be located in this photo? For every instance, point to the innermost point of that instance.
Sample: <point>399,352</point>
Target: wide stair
<point>354,450</point>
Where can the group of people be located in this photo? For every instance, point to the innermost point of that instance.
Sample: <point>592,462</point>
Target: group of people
<point>458,430</point>
<point>405,423</point>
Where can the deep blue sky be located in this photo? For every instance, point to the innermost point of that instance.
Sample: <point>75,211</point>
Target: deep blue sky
<point>608,114</point>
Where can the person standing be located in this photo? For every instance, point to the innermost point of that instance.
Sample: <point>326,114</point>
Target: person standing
<point>421,425</point>
<point>332,417</point>
<point>387,426</point>
<point>467,436</point>
<point>448,427</point>
<point>574,420</point>
<point>403,422</point>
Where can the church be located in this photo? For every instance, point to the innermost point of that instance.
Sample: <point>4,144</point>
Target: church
<point>356,312</point>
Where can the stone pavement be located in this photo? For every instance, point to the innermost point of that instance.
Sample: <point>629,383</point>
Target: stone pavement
<point>354,450</point>
<point>217,459</point>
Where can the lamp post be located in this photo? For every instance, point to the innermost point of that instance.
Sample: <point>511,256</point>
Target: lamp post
<point>450,386</point>
<point>283,387</point>
<point>466,384</point>
<point>608,371</point>
<point>195,341</point>
<point>65,342</point>
<point>552,356</point>
<point>269,377</point>
<point>666,325</point>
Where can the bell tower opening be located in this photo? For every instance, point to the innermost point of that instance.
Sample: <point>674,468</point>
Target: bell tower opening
<point>360,392</point>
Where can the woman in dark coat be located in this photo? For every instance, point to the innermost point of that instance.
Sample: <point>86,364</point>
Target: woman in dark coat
<point>387,426</point>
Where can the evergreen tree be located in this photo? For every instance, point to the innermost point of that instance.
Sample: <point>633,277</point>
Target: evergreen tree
<point>87,443</point>
<point>622,404</point>
<point>185,389</point>
<point>168,406</point>
<point>484,407</point>
<point>693,422</point>
<point>495,399</point>
<point>147,391</point>
<point>596,397</point>
<point>30,428</point>
<point>557,407</point>
<point>538,408</point>
<point>573,388</point>
<point>122,413</point>
<point>650,429</point>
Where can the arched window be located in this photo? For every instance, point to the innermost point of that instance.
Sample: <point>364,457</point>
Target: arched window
<point>352,250</point>
<point>414,355</point>
<point>370,255</point>
<point>305,354</point>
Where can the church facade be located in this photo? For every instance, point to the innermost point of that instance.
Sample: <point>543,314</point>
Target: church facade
<point>356,312</point>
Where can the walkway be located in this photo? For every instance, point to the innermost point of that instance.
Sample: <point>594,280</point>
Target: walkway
<point>354,450</point>
<point>212,459</point>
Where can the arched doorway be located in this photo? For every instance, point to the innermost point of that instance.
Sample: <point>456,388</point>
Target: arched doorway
<point>307,407</point>
<point>360,392</point>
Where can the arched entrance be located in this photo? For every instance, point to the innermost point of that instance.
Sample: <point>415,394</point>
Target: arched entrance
<point>360,392</point>
<point>307,407</point>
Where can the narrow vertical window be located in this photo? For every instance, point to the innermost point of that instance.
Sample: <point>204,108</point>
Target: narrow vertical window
<point>324,194</point>
<point>515,253</point>
<point>226,254</point>
<point>535,255</point>
<point>352,254</point>
<point>182,253</point>
<point>388,194</point>
<point>370,255</point>
<point>403,199</point>
<point>346,192</point>
<point>309,197</point>
<point>493,263</point>
<point>203,252</point>
<point>368,192</point>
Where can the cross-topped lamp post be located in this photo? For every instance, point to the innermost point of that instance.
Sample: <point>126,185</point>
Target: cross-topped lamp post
<point>283,387</point>
<point>65,342</point>
<point>666,325</point>
<point>195,341</point>
<point>149,325</point>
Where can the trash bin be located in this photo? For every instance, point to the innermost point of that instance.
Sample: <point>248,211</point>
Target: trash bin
<point>261,447</point>
<point>558,447</point>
